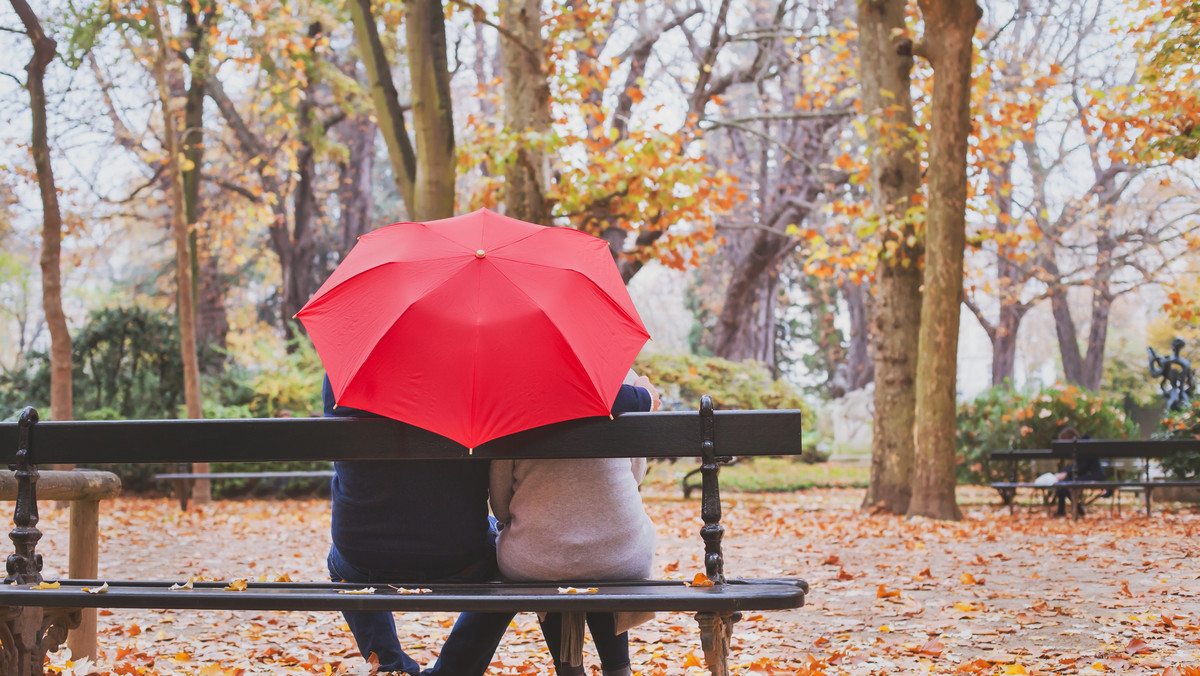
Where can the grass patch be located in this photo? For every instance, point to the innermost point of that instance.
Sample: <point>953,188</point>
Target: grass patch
<point>756,475</point>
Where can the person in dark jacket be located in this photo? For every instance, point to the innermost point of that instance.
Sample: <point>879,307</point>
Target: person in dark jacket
<point>417,522</point>
<point>1083,469</point>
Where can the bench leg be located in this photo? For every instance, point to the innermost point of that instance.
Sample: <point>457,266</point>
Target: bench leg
<point>716,629</point>
<point>28,633</point>
<point>84,563</point>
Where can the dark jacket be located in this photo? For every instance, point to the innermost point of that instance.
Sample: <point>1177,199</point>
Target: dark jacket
<point>418,519</point>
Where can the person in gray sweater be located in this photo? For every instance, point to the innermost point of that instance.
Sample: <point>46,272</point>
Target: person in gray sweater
<point>576,519</point>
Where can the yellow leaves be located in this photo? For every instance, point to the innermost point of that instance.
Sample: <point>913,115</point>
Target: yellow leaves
<point>46,585</point>
<point>186,585</point>
<point>700,580</point>
<point>237,585</point>
<point>364,590</point>
<point>1015,668</point>
<point>578,590</point>
<point>967,578</point>
<point>97,590</point>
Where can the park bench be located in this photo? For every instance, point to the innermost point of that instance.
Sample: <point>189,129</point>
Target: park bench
<point>34,619</point>
<point>1104,450</point>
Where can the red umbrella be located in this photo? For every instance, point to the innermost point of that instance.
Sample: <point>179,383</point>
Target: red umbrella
<point>476,326</point>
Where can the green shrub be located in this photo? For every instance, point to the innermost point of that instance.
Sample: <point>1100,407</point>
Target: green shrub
<point>683,378</point>
<point>1001,418</point>
<point>1183,424</point>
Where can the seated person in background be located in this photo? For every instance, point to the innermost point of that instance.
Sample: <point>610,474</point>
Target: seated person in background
<point>578,519</point>
<point>1085,469</point>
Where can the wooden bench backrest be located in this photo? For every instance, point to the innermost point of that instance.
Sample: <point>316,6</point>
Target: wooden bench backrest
<point>652,435</point>
<point>1124,448</point>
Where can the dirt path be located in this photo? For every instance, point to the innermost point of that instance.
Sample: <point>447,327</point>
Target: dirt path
<point>991,594</point>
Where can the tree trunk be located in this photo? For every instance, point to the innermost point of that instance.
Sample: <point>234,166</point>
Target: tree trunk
<point>1004,343</point>
<point>949,28</point>
<point>425,183</point>
<point>746,326</point>
<point>295,246</point>
<point>526,109</point>
<point>885,58</point>
<point>179,227</point>
<point>386,101</point>
<point>44,49</point>
<point>433,120</point>
<point>860,365</point>
<point>212,325</point>
<point>1064,328</point>
<point>354,179</point>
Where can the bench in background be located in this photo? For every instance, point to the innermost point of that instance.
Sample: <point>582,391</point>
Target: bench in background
<point>1104,450</point>
<point>35,620</point>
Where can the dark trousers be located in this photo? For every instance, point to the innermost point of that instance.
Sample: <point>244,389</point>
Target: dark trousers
<point>467,651</point>
<point>613,648</point>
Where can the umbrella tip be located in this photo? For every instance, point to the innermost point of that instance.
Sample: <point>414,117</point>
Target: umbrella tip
<point>471,451</point>
<point>610,417</point>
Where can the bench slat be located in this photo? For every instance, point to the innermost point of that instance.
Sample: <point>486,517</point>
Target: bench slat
<point>248,475</point>
<point>663,434</point>
<point>639,595</point>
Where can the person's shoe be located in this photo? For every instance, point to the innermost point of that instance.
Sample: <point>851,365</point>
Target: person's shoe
<point>623,671</point>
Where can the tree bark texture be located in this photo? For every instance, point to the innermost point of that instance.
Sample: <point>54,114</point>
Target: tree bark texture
<point>212,326</point>
<point>526,109</point>
<point>885,65</point>
<point>44,49</point>
<point>860,364</point>
<point>354,180</point>
<point>179,226</point>
<point>433,120</point>
<point>386,101</point>
<point>949,27</point>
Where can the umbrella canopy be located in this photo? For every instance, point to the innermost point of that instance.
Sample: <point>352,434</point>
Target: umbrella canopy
<point>476,326</point>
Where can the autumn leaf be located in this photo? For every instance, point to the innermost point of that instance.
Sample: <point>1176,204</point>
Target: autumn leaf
<point>46,585</point>
<point>414,590</point>
<point>364,590</point>
<point>882,592</point>
<point>932,647</point>
<point>186,585</point>
<point>1015,668</point>
<point>238,584</point>
<point>97,590</point>
<point>578,590</point>
<point>700,580</point>
<point>1136,646</point>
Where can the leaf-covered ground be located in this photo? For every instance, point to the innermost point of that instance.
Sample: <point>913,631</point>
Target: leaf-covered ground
<point>993,594</point>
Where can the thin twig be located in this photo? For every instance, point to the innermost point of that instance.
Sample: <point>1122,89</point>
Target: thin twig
<point>480,14</point>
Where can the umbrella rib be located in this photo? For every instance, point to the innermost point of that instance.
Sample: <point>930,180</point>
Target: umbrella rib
<point>578,361</point>
<point>631,318</point>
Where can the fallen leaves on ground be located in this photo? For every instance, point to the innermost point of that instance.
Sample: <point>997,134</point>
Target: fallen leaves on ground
<point>1110,594</point>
